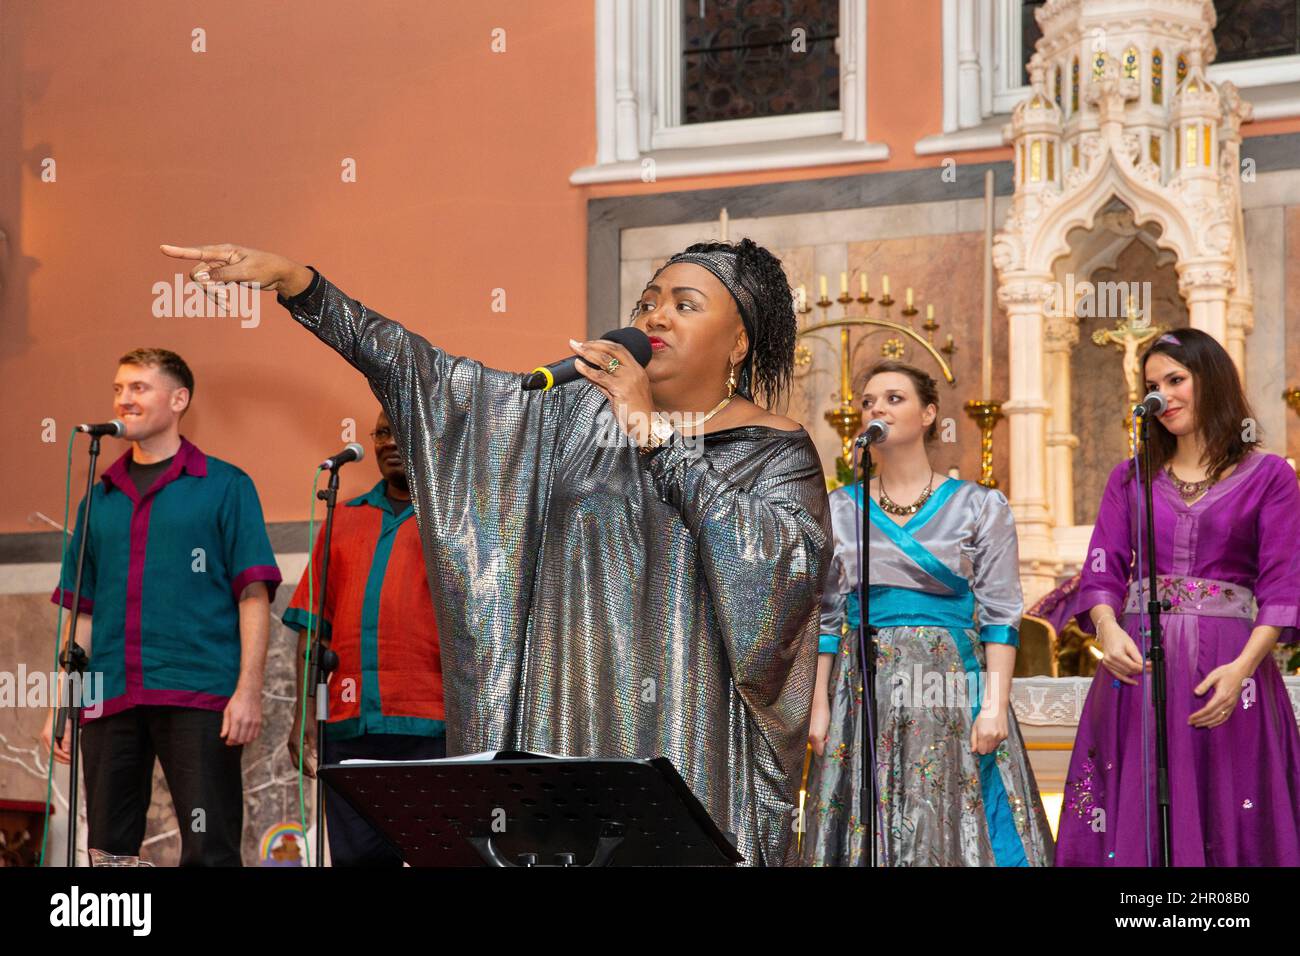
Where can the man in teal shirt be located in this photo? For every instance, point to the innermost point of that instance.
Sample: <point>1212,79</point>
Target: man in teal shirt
<point>178,579</point>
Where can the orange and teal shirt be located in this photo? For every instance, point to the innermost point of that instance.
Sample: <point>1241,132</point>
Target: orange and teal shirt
<point>379,619</point>
<point>163,575</point>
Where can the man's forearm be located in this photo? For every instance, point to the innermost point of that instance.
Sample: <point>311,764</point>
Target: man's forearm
<point>83,631</point>
<point>254,629</point>
<point>299,665</point>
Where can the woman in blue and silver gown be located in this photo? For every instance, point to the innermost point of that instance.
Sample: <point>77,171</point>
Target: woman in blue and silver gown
<point>955,784</point>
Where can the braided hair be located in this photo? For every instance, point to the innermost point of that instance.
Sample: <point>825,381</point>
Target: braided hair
<point>769,365</point>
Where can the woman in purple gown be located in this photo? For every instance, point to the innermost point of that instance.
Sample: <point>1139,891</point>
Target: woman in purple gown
<point>1227,523</point>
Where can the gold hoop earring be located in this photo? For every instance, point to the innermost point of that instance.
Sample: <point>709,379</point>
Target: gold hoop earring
<point>731,382</point>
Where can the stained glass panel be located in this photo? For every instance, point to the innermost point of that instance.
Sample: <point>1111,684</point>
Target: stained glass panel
<point>744,58</point>
<point>1254,29</point>
<point>1029,34</point>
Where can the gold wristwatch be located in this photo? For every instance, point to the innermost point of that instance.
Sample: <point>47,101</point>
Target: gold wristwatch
<point>660,432</point>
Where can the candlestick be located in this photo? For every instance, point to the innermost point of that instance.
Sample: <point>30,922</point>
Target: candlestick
<point>986,414</point>
<point>822,286</point>
<point>986,365</point>
<point>909,296</point>
<point>929,311</point>
<point>844,282</point>
<point>801,299</point>
<point>884,284</point>
<point>863,282</point>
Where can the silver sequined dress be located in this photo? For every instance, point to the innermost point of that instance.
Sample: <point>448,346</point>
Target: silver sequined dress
<point>593,602</point>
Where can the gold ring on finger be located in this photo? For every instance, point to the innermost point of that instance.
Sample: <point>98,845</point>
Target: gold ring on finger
<point>613,365</point>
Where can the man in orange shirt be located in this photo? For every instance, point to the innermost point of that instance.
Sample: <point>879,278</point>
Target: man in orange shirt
<point>386,696</point>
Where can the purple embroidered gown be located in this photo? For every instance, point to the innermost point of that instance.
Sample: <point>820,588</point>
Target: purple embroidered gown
<point>1227,562</point>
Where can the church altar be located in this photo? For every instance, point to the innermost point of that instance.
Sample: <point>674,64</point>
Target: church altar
<point>1048,709</point>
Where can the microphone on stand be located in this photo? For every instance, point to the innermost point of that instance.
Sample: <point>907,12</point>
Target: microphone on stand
<point>546,377</point>
<point>874,434</point>
<point>351,452</point>
<point>116,428</point>
<point>1153,404</point>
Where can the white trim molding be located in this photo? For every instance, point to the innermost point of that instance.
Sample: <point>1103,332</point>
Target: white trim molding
<point>638,130</point>
<point>983,68</point>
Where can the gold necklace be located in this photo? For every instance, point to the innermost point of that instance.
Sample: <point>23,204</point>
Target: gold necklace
<point>1189,491</point>
<point>890,506</point>
<point>716,408</point>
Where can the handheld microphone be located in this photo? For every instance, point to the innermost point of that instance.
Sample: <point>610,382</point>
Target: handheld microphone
<point>351,452</point>
<point>1153,404</point>
<point>116,428</point>
<point>874,435</point>
<point>546,377</point>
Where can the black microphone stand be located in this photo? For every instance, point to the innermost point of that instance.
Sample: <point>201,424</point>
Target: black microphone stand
<point>1157,650</point>
<point>74,662</point>
<point>324,661</point>
<point>867,669</point>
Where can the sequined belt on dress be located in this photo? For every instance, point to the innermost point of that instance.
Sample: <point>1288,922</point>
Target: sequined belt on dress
<point>1190,595</point>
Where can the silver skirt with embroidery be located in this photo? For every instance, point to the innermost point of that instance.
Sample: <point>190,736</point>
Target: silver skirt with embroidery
<point>932,808</point>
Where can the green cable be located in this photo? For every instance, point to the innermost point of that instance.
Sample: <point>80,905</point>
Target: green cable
<point>306,669</point>
<point>58,634</point>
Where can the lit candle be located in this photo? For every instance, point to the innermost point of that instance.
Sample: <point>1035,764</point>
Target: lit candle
<point>929,311</point>
<point>909,296</point>
<point>822,280</point>
<point>862,278</point>
<point>844,283</point>
<point>884,284</point>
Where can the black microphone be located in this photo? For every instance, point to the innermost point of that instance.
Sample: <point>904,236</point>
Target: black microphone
<point>1153,404</point>
<point>875,433</point>
<point>546,377</point>
<point>116,428</point>
<point>351,452</point>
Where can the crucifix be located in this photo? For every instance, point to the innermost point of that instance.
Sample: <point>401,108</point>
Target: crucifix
<point>1128,336</point>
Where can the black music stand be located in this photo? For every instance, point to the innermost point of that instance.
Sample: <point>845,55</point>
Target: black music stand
<point>521,809</point>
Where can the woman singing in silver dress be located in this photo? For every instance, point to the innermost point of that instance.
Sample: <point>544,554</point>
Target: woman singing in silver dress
<point>626,566</point>
<point>955,784</point>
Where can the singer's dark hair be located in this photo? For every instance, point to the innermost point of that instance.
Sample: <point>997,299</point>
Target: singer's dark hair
<point>1221,405</point>
<point>927,389</point>
<point>168,362</point>
<point>769,365</point>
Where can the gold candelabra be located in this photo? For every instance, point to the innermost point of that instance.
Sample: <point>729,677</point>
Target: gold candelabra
<point>846,416</point>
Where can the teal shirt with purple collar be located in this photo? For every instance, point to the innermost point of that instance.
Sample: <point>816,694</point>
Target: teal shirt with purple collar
<point>162,580</point>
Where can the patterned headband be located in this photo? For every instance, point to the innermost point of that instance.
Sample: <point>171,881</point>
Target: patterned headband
<point>723,265</point>
<point>1168,338</point>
